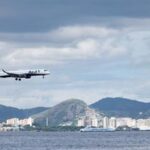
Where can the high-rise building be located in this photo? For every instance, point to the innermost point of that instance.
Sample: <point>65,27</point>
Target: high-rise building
<point>105,122</point>
<point>112,122</point>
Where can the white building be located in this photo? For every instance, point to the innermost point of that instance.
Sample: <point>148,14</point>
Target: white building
<point>126,122</point>
<point>13,122</point>
<point>80,122</point>
<point>25,122</point>
<point>112,123</point>
<point>90,113</point>
<point>94,122</point>
<point>143,124</point>
<point>100,122</point>
<point>105,122</point>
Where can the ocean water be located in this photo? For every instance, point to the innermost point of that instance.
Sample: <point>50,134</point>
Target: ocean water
<point>139,140</point>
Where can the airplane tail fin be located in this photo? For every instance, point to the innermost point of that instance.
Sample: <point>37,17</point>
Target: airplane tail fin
<point>4,71</point>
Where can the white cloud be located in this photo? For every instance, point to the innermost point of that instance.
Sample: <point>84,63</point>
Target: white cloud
<point>80,43</point>
<point>86,43</point>
<point>81,32</point>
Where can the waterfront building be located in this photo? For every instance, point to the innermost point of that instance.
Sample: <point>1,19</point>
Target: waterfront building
<point>80,122</point>
<point>12,121</point>
<point>126,122</point>
<point>105,122</point>
<point>143,124</point>
<point>94,122</point>
<point>112,123</point>
<point>24,122</point>
<point>100,123</point>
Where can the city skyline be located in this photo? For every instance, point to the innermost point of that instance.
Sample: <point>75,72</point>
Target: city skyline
<point>93,49</point>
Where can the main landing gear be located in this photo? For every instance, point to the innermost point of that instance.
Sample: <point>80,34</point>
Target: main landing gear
<point>18,79</point>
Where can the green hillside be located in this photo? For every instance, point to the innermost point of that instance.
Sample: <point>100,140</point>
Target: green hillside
<point>122,107</point>
<point>66,111</point>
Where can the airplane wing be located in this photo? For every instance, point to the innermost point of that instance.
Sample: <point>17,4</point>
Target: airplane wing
<point>5,76</point>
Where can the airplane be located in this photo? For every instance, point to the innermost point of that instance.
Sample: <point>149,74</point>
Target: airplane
<point>26,74</point>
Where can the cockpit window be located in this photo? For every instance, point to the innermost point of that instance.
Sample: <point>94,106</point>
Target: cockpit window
<point>45,70</point>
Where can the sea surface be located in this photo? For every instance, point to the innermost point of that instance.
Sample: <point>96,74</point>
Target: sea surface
<point>139,140</point>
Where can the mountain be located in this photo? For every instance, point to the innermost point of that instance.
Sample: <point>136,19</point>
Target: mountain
<point>12,112</point>
<point>62,113</point>
<point>69,110</point>
<point>122,107</point>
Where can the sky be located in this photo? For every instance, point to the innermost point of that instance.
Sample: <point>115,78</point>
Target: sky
<point>93,49</point>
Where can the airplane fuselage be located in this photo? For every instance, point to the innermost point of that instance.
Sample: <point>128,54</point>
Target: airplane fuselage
<point>26,74</point>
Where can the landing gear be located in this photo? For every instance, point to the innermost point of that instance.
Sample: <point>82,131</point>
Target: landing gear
<point>18,79</point>
<point>43,77</point>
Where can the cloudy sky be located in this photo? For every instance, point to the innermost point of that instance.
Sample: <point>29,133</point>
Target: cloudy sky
<point>93,49</point>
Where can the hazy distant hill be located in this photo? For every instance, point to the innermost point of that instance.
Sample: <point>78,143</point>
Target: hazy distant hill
<point>12,112</point>
<point>122,107</point>
<point>66,111</point>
